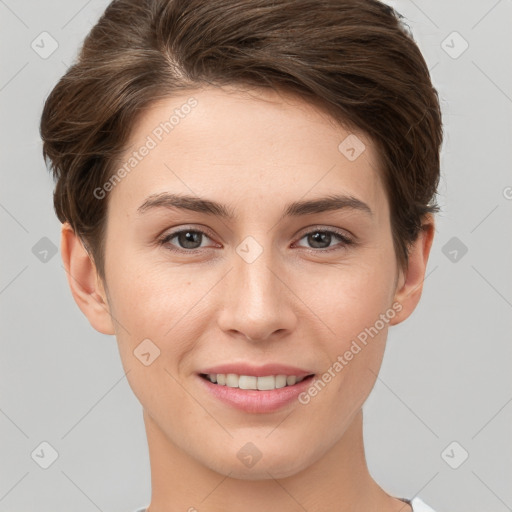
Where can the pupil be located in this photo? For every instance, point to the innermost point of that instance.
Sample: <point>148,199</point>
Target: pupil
<point>188,238</point>
<point>319,238</point>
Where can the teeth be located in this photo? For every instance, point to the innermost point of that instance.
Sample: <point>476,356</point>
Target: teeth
<point>247,382</point>
<point>232,380</point>
<point>266,383</point>
<point>280,381</point>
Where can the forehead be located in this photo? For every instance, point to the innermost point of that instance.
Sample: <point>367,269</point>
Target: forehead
<point>245,146</point>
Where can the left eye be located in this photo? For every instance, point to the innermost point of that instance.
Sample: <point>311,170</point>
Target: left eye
<point>321,239</point>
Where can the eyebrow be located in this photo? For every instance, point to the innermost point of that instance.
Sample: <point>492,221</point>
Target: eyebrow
<point>295,209</point>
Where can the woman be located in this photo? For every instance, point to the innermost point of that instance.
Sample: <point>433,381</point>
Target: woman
<point>247,194</point>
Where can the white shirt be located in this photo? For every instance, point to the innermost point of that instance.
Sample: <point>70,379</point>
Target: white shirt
<point>416,503</point>
<point>419,506</point>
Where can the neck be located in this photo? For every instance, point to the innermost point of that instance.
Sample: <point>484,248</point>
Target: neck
<point>339,481</point>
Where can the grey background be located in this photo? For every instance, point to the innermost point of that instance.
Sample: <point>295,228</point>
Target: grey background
<point>446,374</point>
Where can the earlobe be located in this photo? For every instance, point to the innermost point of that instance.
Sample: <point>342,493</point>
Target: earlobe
<point>84,281</point>
<point>410,284</point>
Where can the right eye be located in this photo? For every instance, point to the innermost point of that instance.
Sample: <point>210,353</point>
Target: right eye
<point>188,240</point>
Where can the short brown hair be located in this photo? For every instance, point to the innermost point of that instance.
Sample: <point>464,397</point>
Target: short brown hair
<point>355,57</point>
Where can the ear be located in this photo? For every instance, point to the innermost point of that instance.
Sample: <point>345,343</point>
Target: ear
<point>84,281</point>
<point>410,283</point>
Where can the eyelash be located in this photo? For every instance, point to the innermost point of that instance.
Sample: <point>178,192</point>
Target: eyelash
<point>345,241</point>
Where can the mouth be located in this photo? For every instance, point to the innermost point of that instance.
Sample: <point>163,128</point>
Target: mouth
<point>256,394</point>
<point>252,382</point>
<point>255,389</point>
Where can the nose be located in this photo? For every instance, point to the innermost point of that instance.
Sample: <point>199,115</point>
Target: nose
<point>256,301</point>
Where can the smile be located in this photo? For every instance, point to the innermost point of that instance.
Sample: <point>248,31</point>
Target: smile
<point>261,383</point>
<point>255,394</point>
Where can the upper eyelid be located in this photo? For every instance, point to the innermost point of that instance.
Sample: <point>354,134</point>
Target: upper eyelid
<point>338,231</point>
<point>167,237</point>
<point>173,232</point>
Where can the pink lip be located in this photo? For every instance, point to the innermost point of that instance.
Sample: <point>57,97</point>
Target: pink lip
<point>251,400</point>
<point>257,371</point>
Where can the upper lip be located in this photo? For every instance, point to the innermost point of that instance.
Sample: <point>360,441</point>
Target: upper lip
<point>257,371</point>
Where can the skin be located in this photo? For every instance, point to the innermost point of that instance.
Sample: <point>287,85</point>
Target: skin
<point>255,152</point>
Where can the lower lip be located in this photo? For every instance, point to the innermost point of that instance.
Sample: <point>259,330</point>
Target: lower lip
<point>254,401</point>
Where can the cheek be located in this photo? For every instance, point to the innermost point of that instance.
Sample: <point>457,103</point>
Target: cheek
<point>360,312</point>
<point>156,322</point>
<point>355,303</point>
<point>150,298</point>
<point>349,299</point>
<point>168,308</point>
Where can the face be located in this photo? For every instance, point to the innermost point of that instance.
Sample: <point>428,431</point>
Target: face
<point>257,272</point>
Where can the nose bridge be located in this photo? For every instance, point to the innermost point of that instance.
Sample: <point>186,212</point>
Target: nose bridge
<point>256,303</point>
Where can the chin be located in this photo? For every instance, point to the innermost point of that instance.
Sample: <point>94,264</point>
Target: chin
<point>265,468</point>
